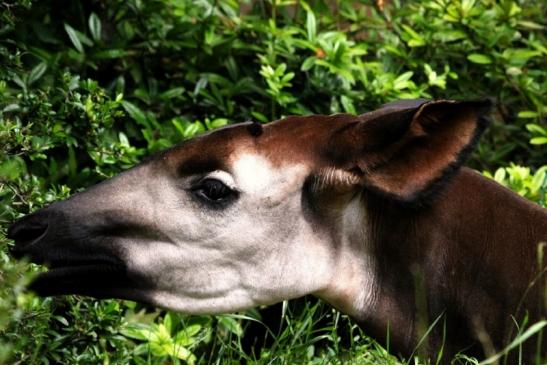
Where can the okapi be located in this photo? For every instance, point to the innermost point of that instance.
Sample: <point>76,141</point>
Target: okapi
<point>348,208</point>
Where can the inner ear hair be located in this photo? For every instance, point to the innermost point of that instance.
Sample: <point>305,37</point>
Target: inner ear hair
<point>332,178</point>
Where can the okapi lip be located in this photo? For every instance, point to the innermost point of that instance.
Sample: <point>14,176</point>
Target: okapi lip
<point>90,278</point>
<point>73,262</point>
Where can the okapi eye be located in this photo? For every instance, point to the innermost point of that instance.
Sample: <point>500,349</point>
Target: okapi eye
<point>214,191</point>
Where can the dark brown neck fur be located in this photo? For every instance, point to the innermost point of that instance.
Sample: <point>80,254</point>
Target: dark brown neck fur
<point>471,250</point>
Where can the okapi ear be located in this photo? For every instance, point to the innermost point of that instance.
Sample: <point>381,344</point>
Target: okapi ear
<point>407,149</point>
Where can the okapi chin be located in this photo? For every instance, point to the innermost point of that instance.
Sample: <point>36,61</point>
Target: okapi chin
<point>372,213</point>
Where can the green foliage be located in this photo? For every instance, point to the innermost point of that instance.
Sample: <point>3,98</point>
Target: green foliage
<point>91,90</point>
<point>539,134</point>
<point>530,185</point>
<point>163,340</point>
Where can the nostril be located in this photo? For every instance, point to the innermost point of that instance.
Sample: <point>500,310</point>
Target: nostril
<point>29,233</point>
<point>26,231</point>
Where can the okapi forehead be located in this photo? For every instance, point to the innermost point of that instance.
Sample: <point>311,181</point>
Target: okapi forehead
<point>293,140</point>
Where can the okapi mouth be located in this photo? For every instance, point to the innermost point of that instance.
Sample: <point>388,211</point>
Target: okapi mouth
<point>100,276</point>
<point>75,279</point>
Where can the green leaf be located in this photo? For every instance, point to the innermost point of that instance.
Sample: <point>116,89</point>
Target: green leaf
<point>259,116</point>
<point>311,25</point>
<point>287,77</point>
<point>527,114</point>
<point>513,71</point>
<point>36,73</point>
<point>538,140</point>
<point>11,108</point>
<point>534,128</point>
<point>187,335</point>
<point>308,63</point>
<point>519,55</point>
<point>12,168</point>
<point>218,122</point>
<point>347,103</point>
<point>411,31</point>
<point>451,35</point>
<point>187,129</point>
<point>61,320</point>
<point>19,81</point>
<point>192,129</point>
<point>530,25</point>
<point>466,6</point>
<point>395,50</point>
<point>138,331</point>
<point>231,325</point>
<point>110,54</point>
<point>172,93</point>
<point>135,113</point>
<point>535,328</point>
<point>72,163</point>
<point>402,82</point>
<point>416,43</point>
<point>500,175</point>
<point>123,139</point>
<point>416,39</point>
<point>177,122</point>
<point>74,38</point>
<point>182,353</point>
<point>95,26</point>
<point>168,322</point>
<point>539,179</point>
<point>479,58</point>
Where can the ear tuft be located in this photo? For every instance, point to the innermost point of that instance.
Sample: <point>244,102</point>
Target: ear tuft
<point>339,180</point>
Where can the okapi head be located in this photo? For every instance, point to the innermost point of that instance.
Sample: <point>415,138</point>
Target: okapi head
<point>250,214</point>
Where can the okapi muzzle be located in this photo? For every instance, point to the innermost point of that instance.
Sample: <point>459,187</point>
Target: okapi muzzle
<point>351,209</point>
<point>81,240</point>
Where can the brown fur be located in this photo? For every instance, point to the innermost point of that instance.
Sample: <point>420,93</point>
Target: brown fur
<point>475,258</point>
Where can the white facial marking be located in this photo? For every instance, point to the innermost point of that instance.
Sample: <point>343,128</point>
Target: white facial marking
<point>354,287</point>
<point>223,176</point>
<point>256,176</point>
<point>260,249</point>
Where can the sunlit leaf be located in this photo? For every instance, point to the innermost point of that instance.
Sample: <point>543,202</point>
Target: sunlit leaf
<point>538,140</point>
<point>37,72</point>
<point>136,113</point>
<point>95,26</point>
<point>74,38</point>
<point>231,325</point>
<point>311,25</point>
<point>479,58</point>
<point>527,114</point>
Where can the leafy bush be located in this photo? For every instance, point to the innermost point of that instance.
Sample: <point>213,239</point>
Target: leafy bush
<point>90,90</point>
<point>520,179</point>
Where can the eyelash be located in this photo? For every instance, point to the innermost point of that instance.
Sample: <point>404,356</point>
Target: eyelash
<point>214,192</point>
